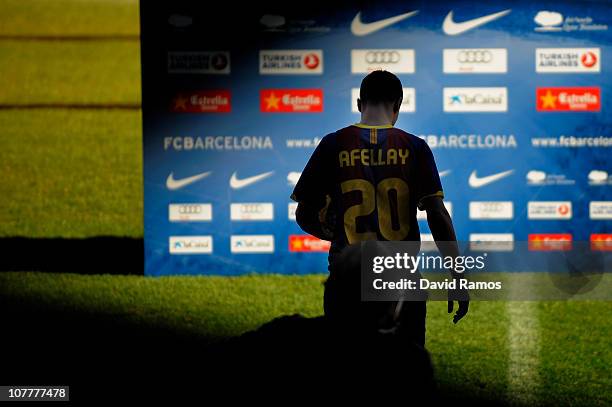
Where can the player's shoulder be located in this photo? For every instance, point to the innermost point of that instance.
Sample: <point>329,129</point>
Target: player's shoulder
<point>403,133</point>
<point>327,141</point>
<point>333,138</point>
<point>410,138</point>
<point>345,131</point>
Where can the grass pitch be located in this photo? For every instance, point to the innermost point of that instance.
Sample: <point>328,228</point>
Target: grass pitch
<point>572,359</point>
<point>70,72</point>
<point>70,173</point>
<point>69,17</point>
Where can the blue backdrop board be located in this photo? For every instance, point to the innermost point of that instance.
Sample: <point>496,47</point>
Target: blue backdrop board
<point>511,96</point>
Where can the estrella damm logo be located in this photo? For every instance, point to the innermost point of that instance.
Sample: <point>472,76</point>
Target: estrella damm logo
<point>577,99</point>
<point>203,101</point>
<point>601,241</point>
<point>291,100</point>
<point>307,243</point>
<point>549,241</point>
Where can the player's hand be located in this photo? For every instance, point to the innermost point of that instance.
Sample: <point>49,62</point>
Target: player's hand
<point>463,299</point>
<point>327,220</point>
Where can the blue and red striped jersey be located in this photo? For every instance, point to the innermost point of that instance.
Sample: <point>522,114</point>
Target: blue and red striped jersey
<point>374,179</point>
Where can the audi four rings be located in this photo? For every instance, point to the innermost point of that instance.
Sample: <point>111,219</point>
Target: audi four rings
<point>393,57</point>
<point>382,57</point>
<point>250,208</point>
<point>190,209</point>
<point>475,56</point>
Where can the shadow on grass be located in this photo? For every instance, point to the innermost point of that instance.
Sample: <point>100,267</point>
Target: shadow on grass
<point>108,358</point>
<point>94,255</point>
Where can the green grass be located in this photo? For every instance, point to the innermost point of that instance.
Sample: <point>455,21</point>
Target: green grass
<point>69,72</point>
<point>472,357</point>
<point>211,307</point>
<point>70,173</point>
<point>576,356</point>
<point>68,17</point>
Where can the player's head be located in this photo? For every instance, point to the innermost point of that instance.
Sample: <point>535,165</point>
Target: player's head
<point>381,90</point>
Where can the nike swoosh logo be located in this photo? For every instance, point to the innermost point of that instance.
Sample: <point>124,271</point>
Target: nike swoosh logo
<point>477,182</point>
<point>236,183</point>
<point>173,184</point>
<point>452,28</point>
<point>444,173</point>
<point>360,29</point>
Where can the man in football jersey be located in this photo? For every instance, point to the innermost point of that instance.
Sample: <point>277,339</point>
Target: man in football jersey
<point>365,182</point>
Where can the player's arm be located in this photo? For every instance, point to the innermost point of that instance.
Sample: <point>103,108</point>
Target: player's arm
<point>310,192</point>
<point>308,216</point>
<point>441,226</point>
<point>430,197</point>
<point>443,232</point>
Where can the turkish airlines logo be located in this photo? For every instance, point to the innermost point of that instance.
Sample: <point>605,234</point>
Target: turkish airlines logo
<point>549,241</point>
<point>392,60</point>
<point>450,27</point>
<point>548,210</point>
<point>600,210</point>
<point>291,100</point>
<point>199,62</point>
<point>359,28</point>
<point>475,60</point>
<point>288,62</point>
<point>568,60</point>
<point>205,101</point>
<point>307,243</point>
<point>589,59</point>
<point>576,99</point>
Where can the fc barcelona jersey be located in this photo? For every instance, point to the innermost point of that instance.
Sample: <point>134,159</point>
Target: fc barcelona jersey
<point>376,177</point>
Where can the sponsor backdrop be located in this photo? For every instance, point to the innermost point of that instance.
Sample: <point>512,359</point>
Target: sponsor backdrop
<point>512,97</point>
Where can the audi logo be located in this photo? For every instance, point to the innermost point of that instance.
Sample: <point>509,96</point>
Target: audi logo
<point>382,57</point>
<point>492,206</point>
<point>251,208</point>
<point>477,56</point>
<point>190,209</point>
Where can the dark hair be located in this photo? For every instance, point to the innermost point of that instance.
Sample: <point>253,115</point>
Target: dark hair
<point>380,87</point>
